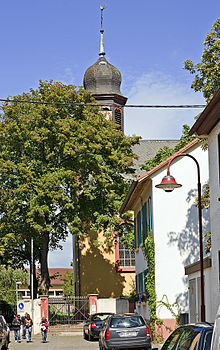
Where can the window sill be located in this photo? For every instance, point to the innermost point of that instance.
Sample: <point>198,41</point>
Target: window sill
<point>125,269</point>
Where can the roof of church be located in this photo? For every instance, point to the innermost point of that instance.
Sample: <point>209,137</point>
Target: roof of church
<point>102,78</point>
<point>147,149</point>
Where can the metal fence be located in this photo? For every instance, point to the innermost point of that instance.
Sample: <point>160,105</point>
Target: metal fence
<point>68,310</point>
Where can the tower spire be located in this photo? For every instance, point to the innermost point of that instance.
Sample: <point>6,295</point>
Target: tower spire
<point>102,51</point>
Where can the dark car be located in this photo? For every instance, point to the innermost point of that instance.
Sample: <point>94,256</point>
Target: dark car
<point>216,332</point>
<point>125,331</point>
<point>4,334</point>
<point>190,337</point>
<point>94,324</point>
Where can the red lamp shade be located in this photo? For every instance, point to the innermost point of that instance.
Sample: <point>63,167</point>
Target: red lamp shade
<point>168,183</point>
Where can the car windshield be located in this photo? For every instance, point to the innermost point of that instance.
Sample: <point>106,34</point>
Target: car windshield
<point>216,334</point>
<point>100,317</point>
<point>189,339</point>
<point>170,343</point>
<point>207,340</point>
<point>126,322</point>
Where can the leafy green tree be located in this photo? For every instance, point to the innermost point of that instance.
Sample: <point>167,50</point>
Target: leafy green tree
<point>8,278</point>
<point>166,152</point>
<point>207,71</point>
<point>62,170</point>
<point>68,289</point>
<point>207,80</point>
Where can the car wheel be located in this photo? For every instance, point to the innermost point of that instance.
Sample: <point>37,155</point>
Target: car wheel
<point>85,336</point>
<point>90,337</point>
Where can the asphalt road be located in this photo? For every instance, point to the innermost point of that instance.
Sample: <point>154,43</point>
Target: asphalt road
<point>55,343</point>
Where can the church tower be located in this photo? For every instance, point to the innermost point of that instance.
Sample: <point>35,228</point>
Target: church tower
<point>104,81</point>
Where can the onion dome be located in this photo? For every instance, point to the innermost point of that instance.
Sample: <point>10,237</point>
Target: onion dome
<point>102,77</point>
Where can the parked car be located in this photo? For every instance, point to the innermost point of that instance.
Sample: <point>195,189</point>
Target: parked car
<point>190,337</point>
<point>94,324</point>
<point>216,332</point>
<point>4,333</point>
<point>125,331</point>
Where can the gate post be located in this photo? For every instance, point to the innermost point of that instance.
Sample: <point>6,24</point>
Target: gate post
<point>44,307</point>
<point>93,303</point>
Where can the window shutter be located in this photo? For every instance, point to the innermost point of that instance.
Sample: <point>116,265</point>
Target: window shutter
<point>140,282</point>
<point>139,228</point>
<point>144,221</point>
<point>135,233</point>
<point>136,281</point>
<point>145,281</point>
<point>150,213</point>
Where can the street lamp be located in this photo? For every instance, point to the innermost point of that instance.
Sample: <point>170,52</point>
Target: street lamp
<point>168,184</point>
<point>17,283</point>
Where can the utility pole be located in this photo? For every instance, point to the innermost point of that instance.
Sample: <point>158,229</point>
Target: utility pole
<point>32,279</point>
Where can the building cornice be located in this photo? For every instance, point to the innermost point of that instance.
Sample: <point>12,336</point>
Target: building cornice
<point>192,268</point>
<point>208,118</point>
<point>137,186</point>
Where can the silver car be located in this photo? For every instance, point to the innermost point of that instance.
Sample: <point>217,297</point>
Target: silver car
<point>125,331</point>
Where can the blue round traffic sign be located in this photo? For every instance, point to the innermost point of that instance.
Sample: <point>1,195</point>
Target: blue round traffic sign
<point>21,306</point>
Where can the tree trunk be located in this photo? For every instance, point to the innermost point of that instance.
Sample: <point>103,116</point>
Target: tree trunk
<point>45,278</point>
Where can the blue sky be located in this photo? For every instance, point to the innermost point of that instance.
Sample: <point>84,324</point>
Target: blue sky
<point>147,41</point>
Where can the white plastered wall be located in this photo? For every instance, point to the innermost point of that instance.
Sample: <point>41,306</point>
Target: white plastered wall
<point>214,216</point>
<point>175,227</point>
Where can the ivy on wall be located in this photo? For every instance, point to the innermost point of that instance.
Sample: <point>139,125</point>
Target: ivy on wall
<point>149,252</point>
